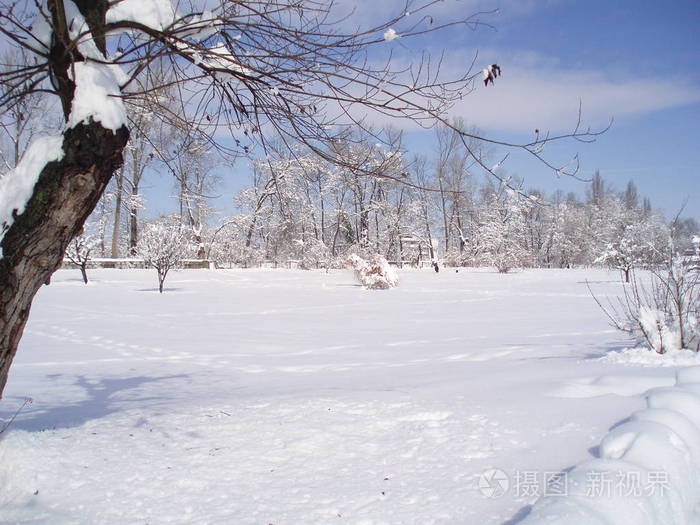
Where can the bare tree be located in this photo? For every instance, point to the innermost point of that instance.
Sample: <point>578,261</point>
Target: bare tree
<point>192,168</point>
<point>80,252</point>
<point>253,67</point>
<point>23,120</point>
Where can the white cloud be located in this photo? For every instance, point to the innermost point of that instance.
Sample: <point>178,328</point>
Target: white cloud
<point>535,92</point>
<point>370,13</point>
<point>546,98</point>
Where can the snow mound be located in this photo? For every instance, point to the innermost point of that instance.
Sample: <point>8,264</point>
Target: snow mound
<point>688,375</point>
<point>645,357</point>
<point>648,470</point>
<point>606,385</point>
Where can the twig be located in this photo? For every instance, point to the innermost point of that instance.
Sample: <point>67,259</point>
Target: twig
<point>27,401</point>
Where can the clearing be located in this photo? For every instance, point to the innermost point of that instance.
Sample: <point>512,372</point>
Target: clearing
<point>290,397</point>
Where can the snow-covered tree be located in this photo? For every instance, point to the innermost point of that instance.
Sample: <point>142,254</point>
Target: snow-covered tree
<point>163,245</point>
<point>637,241</point>
<point>502,232</point>
<point>567,245</point>
<point>80,251</point>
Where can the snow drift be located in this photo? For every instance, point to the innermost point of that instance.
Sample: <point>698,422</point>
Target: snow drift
<point>648,470</point>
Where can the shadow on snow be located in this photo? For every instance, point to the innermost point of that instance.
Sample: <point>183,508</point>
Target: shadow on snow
<point>101,400</point>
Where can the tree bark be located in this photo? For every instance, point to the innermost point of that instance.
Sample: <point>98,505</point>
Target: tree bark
<point>116,228</point>
<point>64,196</point>
<point>83,272</point>
<point>133,217</point>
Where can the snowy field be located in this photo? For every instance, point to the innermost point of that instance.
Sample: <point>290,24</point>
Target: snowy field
<point>294,398</point>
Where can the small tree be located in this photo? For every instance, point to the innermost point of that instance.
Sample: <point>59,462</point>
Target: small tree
<point>80,251</point>
<point>163,246</point>
<point>639,242</point>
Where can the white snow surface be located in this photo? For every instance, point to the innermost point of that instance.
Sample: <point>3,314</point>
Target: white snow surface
<point>645,357</point>
<point>162,15</point>
<point>97,95</point>
<point>219,57</point>
<point>17,186</point>
<point>156,14</point>
<point>293,397</point>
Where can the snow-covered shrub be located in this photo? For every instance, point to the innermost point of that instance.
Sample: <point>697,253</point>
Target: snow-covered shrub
<point>163,245</point>
<point>655,331</point>
<point>374,272</point>
<point>663,311</point>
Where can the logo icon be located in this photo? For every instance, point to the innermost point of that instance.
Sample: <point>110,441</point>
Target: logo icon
<point>493,483</point>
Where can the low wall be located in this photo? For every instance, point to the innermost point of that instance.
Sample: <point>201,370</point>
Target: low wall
<point>187,264</point>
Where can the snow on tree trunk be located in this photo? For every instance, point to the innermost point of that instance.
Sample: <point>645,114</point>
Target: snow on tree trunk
<point>65,188</point>
<point>65,194</point>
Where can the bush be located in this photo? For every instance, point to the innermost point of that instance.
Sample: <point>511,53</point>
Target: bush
<point>664,312</point>
<point>374,272</point>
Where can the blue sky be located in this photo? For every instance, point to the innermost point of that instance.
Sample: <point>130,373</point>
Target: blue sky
<point>636,62</point>
<point>656,141</point>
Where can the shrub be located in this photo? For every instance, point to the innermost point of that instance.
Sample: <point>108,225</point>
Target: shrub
<point>374,272</point>
<point>662,313</point>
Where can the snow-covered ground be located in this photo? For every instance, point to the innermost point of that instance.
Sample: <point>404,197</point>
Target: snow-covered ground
<point>290,397</point>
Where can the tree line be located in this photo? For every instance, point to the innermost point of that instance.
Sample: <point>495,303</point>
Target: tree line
<point>411,209</point>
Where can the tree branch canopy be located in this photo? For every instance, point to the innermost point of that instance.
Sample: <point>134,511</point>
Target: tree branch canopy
<point>247,71</point>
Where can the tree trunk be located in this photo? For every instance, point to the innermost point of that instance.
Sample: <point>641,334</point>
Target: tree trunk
<point>64,196</point>
<point>133,227</point>
<point>161,280</point>
<point>83,271</point>
<point>323,212</point>
<point>116,229</point>
<point>251,230</point>
<point>363,234</point>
